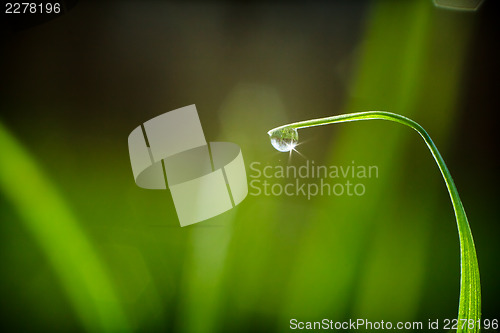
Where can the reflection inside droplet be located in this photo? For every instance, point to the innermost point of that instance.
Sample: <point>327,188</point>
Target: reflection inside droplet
<point>284,139</point>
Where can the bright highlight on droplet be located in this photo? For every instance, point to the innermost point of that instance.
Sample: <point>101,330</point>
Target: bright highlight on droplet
<point>284,139</point>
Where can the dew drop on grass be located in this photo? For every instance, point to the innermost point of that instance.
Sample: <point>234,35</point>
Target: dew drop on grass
<point>284,139</point>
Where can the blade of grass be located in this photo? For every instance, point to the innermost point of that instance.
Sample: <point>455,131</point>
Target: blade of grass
<point>470,289</point>
<point>47,217</point>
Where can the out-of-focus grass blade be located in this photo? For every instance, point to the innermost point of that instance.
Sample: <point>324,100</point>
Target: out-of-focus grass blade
<point>49,220</point>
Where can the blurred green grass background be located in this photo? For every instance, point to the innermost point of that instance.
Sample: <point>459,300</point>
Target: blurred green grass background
<point>84,249</point>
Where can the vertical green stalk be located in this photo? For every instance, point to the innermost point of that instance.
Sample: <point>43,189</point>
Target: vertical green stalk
<point>469,310</point>
<point>47,217</point>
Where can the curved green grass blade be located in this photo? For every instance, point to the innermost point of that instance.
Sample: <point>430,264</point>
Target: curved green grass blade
<point>469,310</point>
<point>48,219</point>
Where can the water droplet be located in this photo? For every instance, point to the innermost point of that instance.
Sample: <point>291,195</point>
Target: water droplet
<point>284,139</point>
